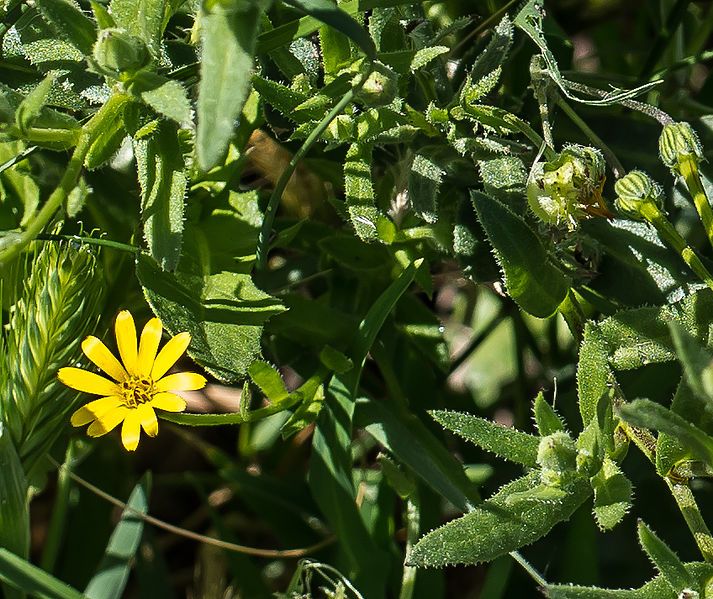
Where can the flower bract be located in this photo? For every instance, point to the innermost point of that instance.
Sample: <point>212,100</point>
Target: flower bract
<point>140,384</point>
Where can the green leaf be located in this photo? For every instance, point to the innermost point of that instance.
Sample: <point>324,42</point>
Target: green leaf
<point>328,13</point>
<point>612,495</point>
<point>144,19</point>
<point>424,181</point>
<point>33,103</point>
<point>305,414</point>
<point>228,34</point>
<point>112,575</point>
<point>697,363</point>
<point>408,439</point>
<point>508,443</point>
<point>107,141</point>
<point>496,51</point>
<point>166,96</point>
<point>547,420</point>
<point>163,181</point>
<point>14,508</point>
<point>335,360</point>
<point>593,372</point>
<point>70,23</point>
<point>499,525</point>
<point>268,380</point>
<point>223,312</point>
<point>665,560</point>
<point>532,280</point>
<point>26,577</point>
<point>359,192</point>
<point>647,414</point>
<point>425,55</point>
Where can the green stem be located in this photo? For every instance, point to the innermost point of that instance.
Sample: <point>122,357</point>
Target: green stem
<point>692,515</point>
<point>69,180</point>
<point>666,230</point>
<point>412,518</point>
<point>689,172</point>
<point>616,166</point>
<point>274,202</point>
<point>534,574</point>
<point>665,34</point>
<point>59,513</point>
<point>573,315</point>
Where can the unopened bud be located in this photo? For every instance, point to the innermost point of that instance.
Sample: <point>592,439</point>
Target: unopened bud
<point>117,51</point>
<point>568,189</point>
<point>381,88</point>
<point>679,141</point>
<point>557,457</point>
<point>636,190</point>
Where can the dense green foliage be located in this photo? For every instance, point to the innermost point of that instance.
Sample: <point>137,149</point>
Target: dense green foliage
<point>387,225</point>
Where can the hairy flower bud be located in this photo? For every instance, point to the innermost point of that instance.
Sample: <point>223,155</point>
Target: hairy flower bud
<point>636,190</point>
<point>381,88</point>
<point>568,189</point>
<point>679,141</point>
<point>117,51</point>
<point>557,456</point>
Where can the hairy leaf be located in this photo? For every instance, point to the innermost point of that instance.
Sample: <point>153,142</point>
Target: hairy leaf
<point>612,495</point>
<point>665,560</point>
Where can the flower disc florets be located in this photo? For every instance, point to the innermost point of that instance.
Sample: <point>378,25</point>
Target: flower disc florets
<point>569,188</point>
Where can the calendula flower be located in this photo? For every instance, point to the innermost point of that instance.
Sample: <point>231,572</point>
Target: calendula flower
<point>139,386</point>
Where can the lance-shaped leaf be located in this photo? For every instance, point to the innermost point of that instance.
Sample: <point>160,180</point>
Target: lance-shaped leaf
<point>228,33</point>
<point>665,560</point>
<point>14,508</point>
<point>113,573</point>
<point>33,103</point>
<point>424,182</point>
<point>647,414</point>
<point>697,363</point>
<point>537,285</point>
<point>547,420</point>
<point>70,23</point>
<point>594,374</point>
<point>612,495</point>
<point>509,443</point>
<point>268,380</point>
<point>166,96</point>
<point>359,192</point>
<point>516,516</point>
<point>495,52</point>
<point>28,578</point>
<point>163,181</point>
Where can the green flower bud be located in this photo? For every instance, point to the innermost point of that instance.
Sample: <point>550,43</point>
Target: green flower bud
<point>117,51</point>
<point>569,188</point>
<point>679,141</point>
<point>381,88</point>
<point>557,457</point>
<point>635,191</point>
<point>340,129</point>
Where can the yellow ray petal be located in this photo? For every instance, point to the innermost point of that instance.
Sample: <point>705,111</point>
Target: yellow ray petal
<point>181,381</point>
<point>148,419</point>
<point>98,353</point>
<point>148,346</point>
<point>169,354</point>
<point>131,430</point>
<point>107,421</point>
<point>126,340</point>
<point>82,380</point>
<point>95,409</point>
<point>168,402</point>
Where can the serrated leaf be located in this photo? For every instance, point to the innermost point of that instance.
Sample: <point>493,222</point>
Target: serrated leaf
<point>495,52</point>
<point>70,23</point>
<point>665,560</point>
<point>166,96</point>
<point>223,312</point>
<point>426,55</point>
<point>111,577</point>
<point>508,443</point>
<point>532,280</point>
<point>359,193</point>
<point>504,179</point>
<point>282,98</point>
<point>424,182</point>
<point>547,420</point>
<point>163,182</point>
<point>497,526</point>
<point>268,380</point>
<point>612,495</point>
<point>228,35</point>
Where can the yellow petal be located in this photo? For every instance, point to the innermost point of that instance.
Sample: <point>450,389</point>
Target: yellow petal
<point>98,353</point>
<point>131,430</point>
<point>107,421</point>
<point>169,354</point>
<point>82,380</point>
<point>168,402</point>
<point>148,346</point>
<point>181,381</point>
<point>148,419</point>
<point>95,409</point>
<point>126,340</point>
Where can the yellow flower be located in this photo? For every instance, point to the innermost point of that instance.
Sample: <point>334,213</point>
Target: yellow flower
<point>140,382</point>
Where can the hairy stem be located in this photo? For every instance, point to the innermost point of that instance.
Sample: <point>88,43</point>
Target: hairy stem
<point>692,178</point>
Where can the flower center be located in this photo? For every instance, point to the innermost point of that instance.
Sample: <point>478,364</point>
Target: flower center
<point>137,391</point>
